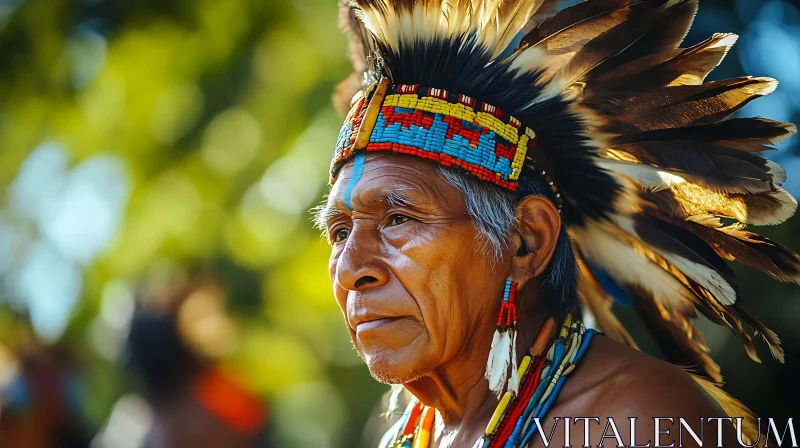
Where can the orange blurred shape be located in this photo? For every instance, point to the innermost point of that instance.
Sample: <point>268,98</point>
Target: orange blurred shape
<point>223,397</point>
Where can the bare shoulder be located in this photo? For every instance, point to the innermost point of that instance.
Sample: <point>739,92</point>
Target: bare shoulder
<point>617,392</point>
<point>614,380</point>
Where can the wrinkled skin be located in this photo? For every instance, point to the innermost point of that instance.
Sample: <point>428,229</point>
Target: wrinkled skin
<point>420,301</point>
<point>401,275</point>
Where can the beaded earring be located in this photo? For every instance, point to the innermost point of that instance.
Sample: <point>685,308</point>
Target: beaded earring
<point>504,345</point>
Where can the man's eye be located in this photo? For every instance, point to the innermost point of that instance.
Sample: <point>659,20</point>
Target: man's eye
<point>340,235</point>
<point>399,219</point>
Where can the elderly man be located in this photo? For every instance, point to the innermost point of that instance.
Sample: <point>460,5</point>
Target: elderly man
<point>485,197</point>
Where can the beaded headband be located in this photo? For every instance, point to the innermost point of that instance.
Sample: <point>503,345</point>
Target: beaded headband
<point>448,128</point>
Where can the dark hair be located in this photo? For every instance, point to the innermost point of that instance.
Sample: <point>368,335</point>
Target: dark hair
<point>560,278</point>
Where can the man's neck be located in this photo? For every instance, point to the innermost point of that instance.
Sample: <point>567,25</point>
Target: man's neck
<point>459,390</point>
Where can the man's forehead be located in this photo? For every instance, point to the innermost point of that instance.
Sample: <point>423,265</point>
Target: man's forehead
<point>385,178</point>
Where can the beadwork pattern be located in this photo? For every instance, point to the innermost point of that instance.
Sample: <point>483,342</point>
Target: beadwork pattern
<point>508,309</point>
<point>451,129</point>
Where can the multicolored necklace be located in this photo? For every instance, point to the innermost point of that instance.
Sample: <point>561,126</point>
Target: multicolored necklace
<point>541,373</point>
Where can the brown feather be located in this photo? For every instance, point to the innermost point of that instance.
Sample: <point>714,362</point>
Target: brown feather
<point>688,66</point>
<point>606,45</point>
<point>662,235</point>
<point>768,336</point>
<point>515,14</point>
<point>571,25</point>
<point>714,172</point>
<point>769,208</point>
<point>677,106</point>
<point>628,261</point>
<point>733,320</point>
<point>544,12</point>
<point>756,173</point>
<point>664,34</point>
<point>581,37</point>
<point>701,298</point>
<point>730,318</point>
<point>746,134</point>
<point>733,243</point>
<point>607,30</point>
<point>678,347</point>
<point>668,152</point>
<point>768,257</point>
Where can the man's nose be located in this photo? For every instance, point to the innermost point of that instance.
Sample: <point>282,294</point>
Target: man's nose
<point>359,266</point>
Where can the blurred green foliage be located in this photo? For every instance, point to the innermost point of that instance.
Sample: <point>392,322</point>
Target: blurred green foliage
<point>217,115</point>
<point>140,139</point>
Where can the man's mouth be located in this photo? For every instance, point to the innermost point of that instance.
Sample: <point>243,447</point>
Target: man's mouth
<point>375,324</point>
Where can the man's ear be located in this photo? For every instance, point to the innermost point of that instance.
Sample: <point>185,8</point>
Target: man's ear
<point>538,224</point>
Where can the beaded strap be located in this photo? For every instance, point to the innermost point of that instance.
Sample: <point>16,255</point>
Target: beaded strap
<point>448,128</point>
<point>542,377</point>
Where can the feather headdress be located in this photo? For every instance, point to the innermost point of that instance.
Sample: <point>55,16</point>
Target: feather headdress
<point>638,148</point>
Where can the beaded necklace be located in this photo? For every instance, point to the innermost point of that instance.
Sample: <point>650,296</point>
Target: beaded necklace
<point>541,378</point>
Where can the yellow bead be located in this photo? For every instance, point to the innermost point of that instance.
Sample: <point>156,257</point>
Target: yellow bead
<point>565,326</point>
<point>498,413</point>
<point>423,438</point>
<point>523,366</point>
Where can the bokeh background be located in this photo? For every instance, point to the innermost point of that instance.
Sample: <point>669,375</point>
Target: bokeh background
<point>143,141</point>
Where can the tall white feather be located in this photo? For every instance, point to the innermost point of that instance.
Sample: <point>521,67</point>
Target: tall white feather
<point>497,364</point>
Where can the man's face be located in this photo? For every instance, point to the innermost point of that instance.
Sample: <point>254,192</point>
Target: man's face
<point>414,290</point>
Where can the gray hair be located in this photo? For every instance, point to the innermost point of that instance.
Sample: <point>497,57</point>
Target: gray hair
<point>491,209</point>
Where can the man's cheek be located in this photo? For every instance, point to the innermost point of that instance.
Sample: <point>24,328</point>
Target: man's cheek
<point>340,295</point>
<point>332,264</point>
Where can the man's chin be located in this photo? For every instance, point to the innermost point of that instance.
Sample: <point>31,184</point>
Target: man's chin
<point>392,368</point>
